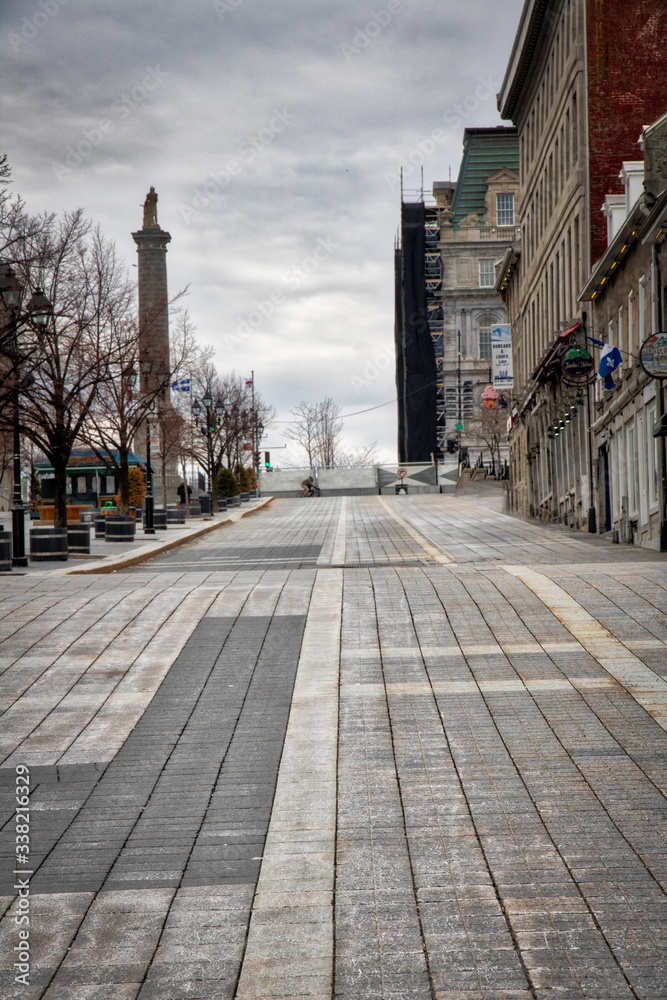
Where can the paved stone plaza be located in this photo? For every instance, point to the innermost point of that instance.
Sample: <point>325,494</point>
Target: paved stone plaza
<point>363,747</point>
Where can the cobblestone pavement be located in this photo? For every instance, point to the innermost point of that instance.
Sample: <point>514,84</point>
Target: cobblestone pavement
<point>401,747</point>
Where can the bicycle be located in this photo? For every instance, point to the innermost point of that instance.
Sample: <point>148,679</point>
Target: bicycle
<point>314,491</point>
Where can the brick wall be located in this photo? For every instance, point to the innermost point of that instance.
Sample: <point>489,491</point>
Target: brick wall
<point>627,73</point>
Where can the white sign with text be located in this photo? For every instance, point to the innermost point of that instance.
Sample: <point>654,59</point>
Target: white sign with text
<point>501,356</point>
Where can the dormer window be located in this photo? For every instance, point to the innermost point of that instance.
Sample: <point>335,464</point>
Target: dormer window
<point>505,209</point>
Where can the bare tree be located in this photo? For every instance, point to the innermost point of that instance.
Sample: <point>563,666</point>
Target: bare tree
<point>317,427</point>
<point>118,413</point>
<point>489,427</point>
<point>75,352</point>
<point>360,458</point>
<point>228,440</point>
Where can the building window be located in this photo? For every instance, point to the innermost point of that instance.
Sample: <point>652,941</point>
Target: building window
<point>487,274</point>
<point>631,346</point>
<point>484,341</point>
<point>641,309</point>
<point>81,486</point>
<point>652,457</point>
<point>505,209</point>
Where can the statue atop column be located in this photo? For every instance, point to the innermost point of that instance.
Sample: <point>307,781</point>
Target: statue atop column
<point>150,210</point>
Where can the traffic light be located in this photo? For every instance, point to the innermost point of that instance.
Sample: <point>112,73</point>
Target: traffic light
<point>267,460</point>
<point>258,458</point>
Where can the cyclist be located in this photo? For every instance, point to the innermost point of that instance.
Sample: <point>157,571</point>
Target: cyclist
<point>307,487</point>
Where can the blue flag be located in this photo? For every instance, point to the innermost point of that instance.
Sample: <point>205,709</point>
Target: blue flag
<point>182,386</point>
<point>610,359</point>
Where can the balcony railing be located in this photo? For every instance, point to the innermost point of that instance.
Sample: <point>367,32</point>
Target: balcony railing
<point>506,233</point>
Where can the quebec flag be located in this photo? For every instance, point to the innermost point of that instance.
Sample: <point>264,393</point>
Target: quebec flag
<point>610,359</point>
<point>182,386</point>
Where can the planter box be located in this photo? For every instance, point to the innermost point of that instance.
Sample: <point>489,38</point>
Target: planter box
<point>78,539</point>
<point>47,513</point>
<point>119,528</point>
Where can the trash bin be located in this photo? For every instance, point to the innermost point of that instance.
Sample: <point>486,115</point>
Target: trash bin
<point>205,502</point>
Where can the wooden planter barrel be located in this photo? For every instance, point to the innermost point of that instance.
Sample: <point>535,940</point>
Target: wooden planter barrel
<point>100,525</point>
<point>244,497</point>
<point>48,544</point>
<point>195,510</point>
<point>118,528</point>
<point>78,539</point>
<point>175,515</point>
<point>5,551</point>
<point>160,519</point>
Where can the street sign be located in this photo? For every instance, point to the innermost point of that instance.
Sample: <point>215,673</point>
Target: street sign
<point>402,473</point>
<point>653,355</point>
<point>458,427</point>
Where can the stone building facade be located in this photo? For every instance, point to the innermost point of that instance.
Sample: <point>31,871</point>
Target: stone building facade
<point>477,223</point>
<point>582,79</point>
<point>627,292</point>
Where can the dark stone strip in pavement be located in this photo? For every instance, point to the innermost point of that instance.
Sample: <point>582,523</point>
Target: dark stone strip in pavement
<point>207,836</point>
<point>155,792</point>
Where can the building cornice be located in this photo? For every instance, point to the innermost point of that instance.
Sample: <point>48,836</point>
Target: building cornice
<point>523,52</point>
<point>641,224</point>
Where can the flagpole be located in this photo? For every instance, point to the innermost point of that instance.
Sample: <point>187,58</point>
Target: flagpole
<point>254,427</point>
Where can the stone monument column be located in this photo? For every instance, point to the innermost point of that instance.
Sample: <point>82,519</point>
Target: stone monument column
<point>151,244</point>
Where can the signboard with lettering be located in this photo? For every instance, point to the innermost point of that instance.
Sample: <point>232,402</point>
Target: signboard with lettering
<point>501,356</point>
<point>653,355</point>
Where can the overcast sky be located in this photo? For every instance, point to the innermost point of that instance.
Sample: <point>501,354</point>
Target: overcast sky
<point>274,132</point>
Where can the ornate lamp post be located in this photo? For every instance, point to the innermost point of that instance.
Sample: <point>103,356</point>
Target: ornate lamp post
<point>38,313</point>
<point>149,529</point>
<point>208,430</point>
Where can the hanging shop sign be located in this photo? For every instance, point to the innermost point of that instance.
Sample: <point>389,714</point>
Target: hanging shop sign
<point>653,355</point>
<point>501,356</point>
<point>577,363</point>
<point>490,397</point>
<point>579,383</point>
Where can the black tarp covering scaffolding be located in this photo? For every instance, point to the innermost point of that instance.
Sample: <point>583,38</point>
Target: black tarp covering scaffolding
<point>415,356</point>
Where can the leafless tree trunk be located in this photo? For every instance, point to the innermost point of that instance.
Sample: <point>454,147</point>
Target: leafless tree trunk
<point>317,427</point>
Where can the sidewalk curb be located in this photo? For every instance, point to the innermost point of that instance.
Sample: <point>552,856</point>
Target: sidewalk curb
<point>125,561</point>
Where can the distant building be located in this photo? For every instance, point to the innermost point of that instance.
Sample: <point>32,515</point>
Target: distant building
<point>446,302</point>
<point>477,223</point>
<point>583,77</point>
<point>415,354</point>
<point>90,481</point>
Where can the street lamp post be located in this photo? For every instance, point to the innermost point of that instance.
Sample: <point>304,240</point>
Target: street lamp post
<point>39,310</point>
